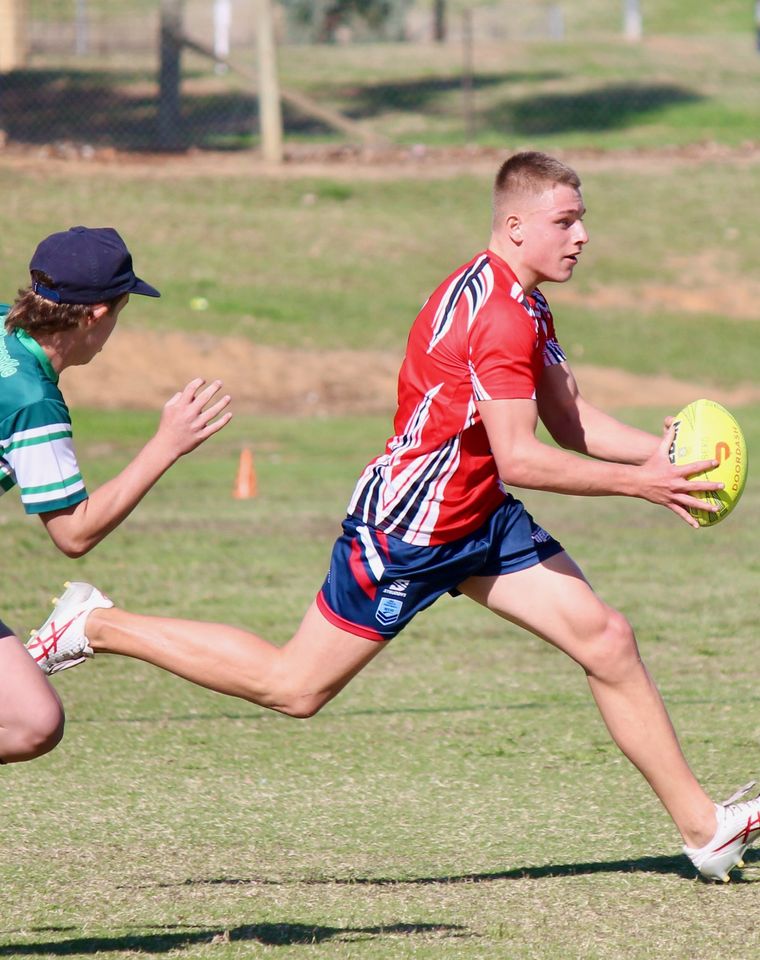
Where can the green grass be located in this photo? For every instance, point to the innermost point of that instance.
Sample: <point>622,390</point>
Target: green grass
<point>693,79</point>
<point>459,800</point>
<point>667,16</point>
<point>322,263</point>
<point>588,91</point>
<point>600,16</point>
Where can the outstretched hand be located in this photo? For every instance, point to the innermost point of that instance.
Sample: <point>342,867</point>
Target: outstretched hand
<point>190,416</point>
<point>668,484</point>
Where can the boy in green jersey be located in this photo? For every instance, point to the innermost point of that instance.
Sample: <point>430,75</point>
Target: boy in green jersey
<point>81,280</point>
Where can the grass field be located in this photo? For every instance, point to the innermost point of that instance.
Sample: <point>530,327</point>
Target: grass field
<point>693,78</point>
<point>459,800</point>
<point>327,263</point>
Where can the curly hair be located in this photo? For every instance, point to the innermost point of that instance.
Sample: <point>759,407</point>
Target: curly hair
<point>34,314</point>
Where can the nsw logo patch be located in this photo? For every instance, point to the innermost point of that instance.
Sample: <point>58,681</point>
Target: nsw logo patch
<point>388,610</point>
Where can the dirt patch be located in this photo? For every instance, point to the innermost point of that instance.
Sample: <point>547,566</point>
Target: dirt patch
<point>345,162</point>
<point>140,370</point>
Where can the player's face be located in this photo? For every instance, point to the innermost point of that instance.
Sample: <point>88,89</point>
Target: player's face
<point>95,335</point>
<point>553,234</point>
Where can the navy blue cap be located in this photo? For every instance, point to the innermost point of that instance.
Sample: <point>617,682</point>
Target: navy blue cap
<point>86,265</point>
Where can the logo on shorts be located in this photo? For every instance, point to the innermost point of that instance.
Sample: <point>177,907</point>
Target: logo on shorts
<point>540,535</point>
<point>388,610</point>
<point>399,587</point>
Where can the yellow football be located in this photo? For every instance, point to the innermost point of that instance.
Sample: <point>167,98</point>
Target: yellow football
<point>704,430</point>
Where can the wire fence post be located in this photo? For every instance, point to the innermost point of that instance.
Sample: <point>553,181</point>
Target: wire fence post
<point>169,111</point>
<point>13,47</point>
<point>439,21</point>
<point>81,29</point>
<point>468,86</point>
<point>270,109</point>
<point>556,22</point>
<point>632,23</point>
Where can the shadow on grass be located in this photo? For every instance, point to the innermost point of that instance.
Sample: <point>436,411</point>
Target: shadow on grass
<point>676,865</point>
<point>417,94</point>
<point>261,714</point>
<point>120,109</point>
<point>177,937</point>
<point>609,107</point>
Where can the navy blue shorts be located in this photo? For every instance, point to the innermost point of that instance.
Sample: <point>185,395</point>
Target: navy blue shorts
<point>5,631</point>
<point>377,583</point>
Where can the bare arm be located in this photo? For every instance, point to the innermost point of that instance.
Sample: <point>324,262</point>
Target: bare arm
<point>185,423</point>
<point>524,461</point>
<point>578,425</point>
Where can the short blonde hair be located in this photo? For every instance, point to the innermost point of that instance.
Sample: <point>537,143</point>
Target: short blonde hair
<point>530,173</point>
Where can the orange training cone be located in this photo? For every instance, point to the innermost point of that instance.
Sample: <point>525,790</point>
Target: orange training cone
<point>245,482</point>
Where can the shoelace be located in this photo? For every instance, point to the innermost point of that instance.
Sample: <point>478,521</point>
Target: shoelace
<point>739,793</point>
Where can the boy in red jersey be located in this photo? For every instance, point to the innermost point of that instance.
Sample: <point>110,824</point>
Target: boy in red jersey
<point>433,514</point>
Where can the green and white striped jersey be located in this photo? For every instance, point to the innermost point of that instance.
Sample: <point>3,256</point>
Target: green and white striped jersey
<point>36,449</point>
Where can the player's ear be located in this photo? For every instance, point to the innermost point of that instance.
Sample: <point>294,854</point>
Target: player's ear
<point>514,228</point>
<point>96,314</point>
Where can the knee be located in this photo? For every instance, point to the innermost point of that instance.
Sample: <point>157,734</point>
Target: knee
<point>284,691</point>
<point>613,651</point>
<point>300,706</point>
<point>36,736</point>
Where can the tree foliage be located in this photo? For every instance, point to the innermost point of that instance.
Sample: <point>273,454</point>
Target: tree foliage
<point>324,18</point>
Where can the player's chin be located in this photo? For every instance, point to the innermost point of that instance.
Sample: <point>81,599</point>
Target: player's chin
<point>564,272</point>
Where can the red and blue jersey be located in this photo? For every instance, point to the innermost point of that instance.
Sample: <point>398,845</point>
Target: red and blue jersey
<point>478,337</point>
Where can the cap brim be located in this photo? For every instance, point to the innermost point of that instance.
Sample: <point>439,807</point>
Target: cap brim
<point>144,288</point>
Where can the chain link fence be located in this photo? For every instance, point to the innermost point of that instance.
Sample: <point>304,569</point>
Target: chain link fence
<point>92,74</point>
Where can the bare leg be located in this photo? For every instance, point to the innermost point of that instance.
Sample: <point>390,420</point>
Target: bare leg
<point>554,601</point>
<point>31,715</point>
<point>297,678</point>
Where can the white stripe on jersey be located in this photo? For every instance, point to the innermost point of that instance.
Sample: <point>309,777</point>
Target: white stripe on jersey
<point>479,391</point>
<point>425,471</point>
<point>482,285</point>
<point>37,433</point>
<point>51,464</point>
<point>477,291</point>
<point>553,353</point>
<point>60,493</point>
<point>380,471</point>
<point>422,526</point>
<point>376,565</point>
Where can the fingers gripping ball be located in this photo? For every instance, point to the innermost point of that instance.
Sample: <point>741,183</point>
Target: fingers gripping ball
<point>704,430</point>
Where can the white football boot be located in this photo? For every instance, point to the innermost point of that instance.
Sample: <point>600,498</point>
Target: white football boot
<point>61,642</point>
<point>738,828</point>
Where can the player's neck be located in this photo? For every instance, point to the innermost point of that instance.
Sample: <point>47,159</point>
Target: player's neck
<point>62,349</point>
<point>526,277</point>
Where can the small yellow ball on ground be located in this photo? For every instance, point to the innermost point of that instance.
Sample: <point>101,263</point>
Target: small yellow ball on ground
<point>199,303</point>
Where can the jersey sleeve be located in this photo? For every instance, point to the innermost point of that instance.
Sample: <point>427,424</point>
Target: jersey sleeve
<point>39,453</point>
<point>503,347</point>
